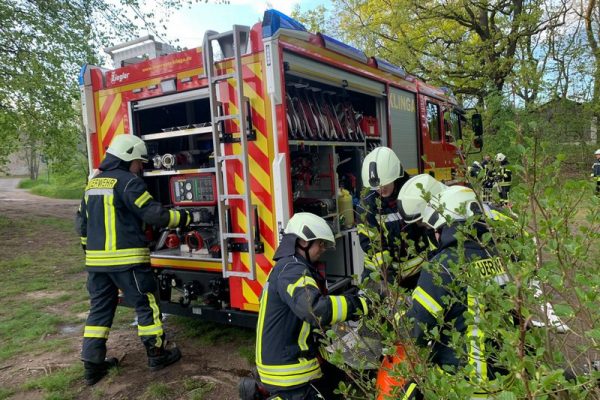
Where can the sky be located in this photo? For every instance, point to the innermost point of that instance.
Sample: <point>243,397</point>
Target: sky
<point>188,24</point>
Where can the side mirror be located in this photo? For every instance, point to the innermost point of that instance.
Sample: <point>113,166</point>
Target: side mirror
<point>477,124</point>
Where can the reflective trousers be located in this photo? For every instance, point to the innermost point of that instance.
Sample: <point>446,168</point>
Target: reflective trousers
<point>139,287</point>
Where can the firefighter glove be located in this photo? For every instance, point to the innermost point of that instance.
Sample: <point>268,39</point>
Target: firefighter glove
<point>185,218</point>
<point>361,305</point>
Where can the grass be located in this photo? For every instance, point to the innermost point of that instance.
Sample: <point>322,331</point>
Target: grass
<point>40,281</point>
<point>5,393</point>
<point>198,390</point>
<point>68,186</point>
<point>158,391</point>
<point>207,333</point>
<point>57,385</point>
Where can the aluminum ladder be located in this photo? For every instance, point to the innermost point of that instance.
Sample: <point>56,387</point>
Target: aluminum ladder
<point>232,43</point>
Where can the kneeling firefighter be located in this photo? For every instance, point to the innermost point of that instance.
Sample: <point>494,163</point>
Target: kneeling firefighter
<point>293,303</point>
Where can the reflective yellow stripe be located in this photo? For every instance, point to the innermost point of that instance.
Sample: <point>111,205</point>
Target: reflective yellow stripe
<point>427,301</point>
<point>97,332</point>
<point>121,252</point>
<point>291,374</point>
<point>476,341</point>
<point>303,281</point>
<point>143,199</point>
<point>110,223</point>
<point>411,267</point>
<point>83,240</point>
<point>261,321</point>
<point>364,305</point>
<point>303,336</point>
<point>339,309</point>
<point>103,258</point>
<point>411,388</point>
<point>369,232</point>
<point>174,218</point>
<point>156,329</point>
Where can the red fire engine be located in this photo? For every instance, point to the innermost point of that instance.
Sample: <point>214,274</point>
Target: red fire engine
<point>257,124</point>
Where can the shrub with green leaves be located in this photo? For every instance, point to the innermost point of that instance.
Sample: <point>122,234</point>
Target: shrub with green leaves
<point>547,242</point>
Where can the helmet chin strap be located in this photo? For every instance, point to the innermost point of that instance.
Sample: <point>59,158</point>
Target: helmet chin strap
<point>306,248</point>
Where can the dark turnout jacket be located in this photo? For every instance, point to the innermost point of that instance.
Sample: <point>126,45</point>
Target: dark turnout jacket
<point>385,237</point>
<point>440,301</point>
<point>112,214</point>
<point>292,304</point>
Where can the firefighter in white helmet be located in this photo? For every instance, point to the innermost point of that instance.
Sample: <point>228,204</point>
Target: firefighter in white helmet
<point>381,228</point>
<point>442,299</point>
<point>596,171</point>
<point>503,177</point>
<point>294,302</point>
<point>115,207</point>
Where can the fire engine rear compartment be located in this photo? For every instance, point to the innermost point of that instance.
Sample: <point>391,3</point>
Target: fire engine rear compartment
<point>325,179</point>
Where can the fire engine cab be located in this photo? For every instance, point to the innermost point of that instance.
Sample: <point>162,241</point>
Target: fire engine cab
<point>257,124</point>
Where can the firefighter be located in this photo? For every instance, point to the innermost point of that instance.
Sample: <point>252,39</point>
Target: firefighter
<point>441,302</point>
<point>503,177</point>
<point>488,177</point>
<point>475,169</point>
<point>293,303</point>
<point>113,212</point>
<point>382,228</point>
<point>412,200</point>
<point>596,171</point>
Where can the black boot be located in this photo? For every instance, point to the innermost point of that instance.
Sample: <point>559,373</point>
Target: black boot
<point>94,372</point>
<point>158,357</point>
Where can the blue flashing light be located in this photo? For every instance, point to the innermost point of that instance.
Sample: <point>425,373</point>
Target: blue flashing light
<point>389,67</point>
<point>339,47</point>
<point>273,20</point>
<point>81,74</point>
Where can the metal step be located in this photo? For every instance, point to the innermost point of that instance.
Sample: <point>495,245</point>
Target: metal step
<point>226,117</point>
<point>229,235</point>
<point>230,157</point>
<point>240,274</point>
<point>232,197</point>
<point>223,77</point>
<point>220,35</point>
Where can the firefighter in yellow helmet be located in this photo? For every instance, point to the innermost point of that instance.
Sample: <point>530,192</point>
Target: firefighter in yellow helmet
<point>596,171</point>
<point>293,303</point>
<point>114,209</point>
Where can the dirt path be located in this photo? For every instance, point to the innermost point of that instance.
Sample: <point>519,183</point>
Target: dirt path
<point>220,366</point>
<point>14,202</point>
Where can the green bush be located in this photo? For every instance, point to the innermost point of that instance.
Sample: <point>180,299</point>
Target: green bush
<point>549,247</point>
<point>68,185</point>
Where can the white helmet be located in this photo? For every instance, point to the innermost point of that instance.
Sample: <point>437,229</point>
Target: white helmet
<point>380,167</point>
<point>500,157</point>
<point>128,148</point>
<point>310,227</point>
<point>456,203</point>
<point>597,152</point>
<point>414,195</point>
